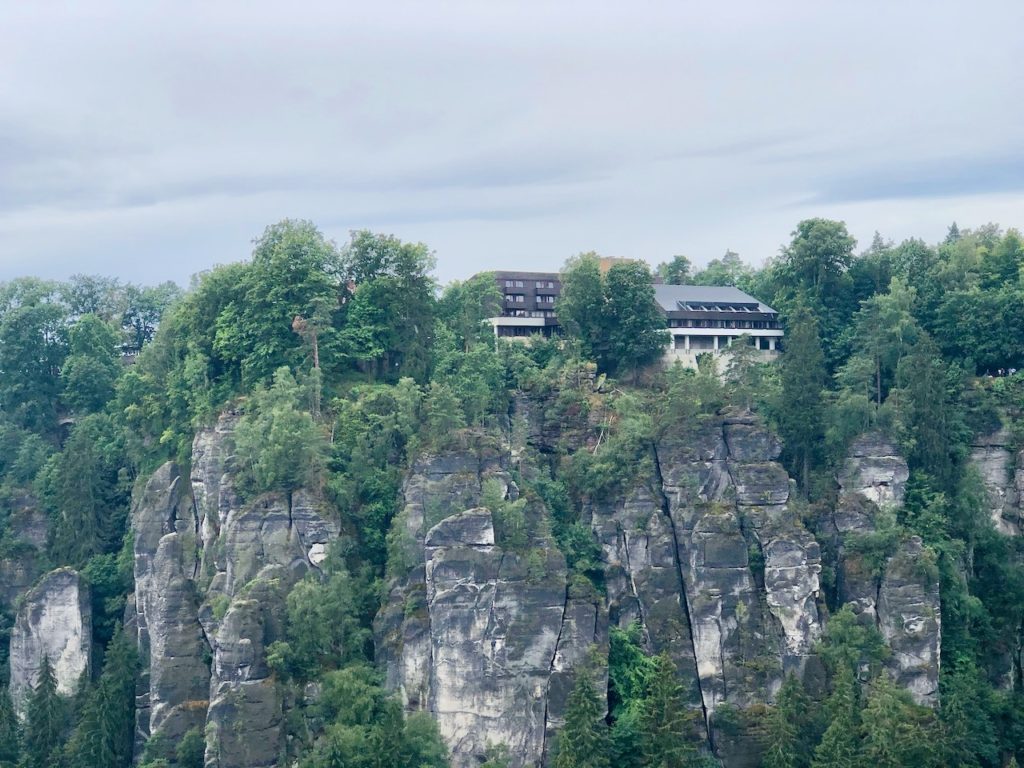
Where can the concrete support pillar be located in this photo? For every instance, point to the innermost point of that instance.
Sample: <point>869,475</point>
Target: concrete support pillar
<point>771,343</point>
<point>686,342</point>
<point>716,342</point>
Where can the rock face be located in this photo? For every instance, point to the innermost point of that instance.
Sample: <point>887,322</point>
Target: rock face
<point>704,553</point>
<point>902,599</point>
<point>174,685</point>
<point>1002,472</point>
<point>211,575</point>
<point>704,549</point>
<point>22,565</point>
<point>55,621</point>
<point>482,637</point>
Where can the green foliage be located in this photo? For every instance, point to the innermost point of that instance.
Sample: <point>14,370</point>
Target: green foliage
<point>676,271</point>
<point>800,409</point>
<point>391,314</point>
<point>105,730</point>
<point>367,729</point>
<point>190,750</point>
<point>790,736</point>
<point>464,308</point>
<point>91,369</point>
<point>583,741</point>
<point>663,719</point>
<point>511,531</point>
<point>9,736</point>
<point>852,642</point>
<point>86,491</point>
<point>46,722</point>
<point>278,445</point>
<point>613,317</point>
<point>327,624</point>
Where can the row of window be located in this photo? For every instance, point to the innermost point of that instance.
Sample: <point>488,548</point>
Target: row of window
<point>522,284</point>
<point>717,307</point>
<point>519,298</point>
<point>529,313</point>
<point>723,324</point>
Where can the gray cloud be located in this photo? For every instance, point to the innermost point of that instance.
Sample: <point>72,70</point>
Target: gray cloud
<point>154,140</point>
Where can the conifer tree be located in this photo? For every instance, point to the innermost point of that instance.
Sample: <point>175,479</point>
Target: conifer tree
<point>583,742</point>
<point>45,722</point>
<point>787,745</point>
<point>803,378</point>
<point>8,731</point>
<point>839,745</point>
<point>663,719</point>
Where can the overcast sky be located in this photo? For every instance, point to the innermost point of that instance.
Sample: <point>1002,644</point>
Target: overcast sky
<point>152,140</point>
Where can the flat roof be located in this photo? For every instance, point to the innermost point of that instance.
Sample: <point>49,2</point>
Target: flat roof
<point>669,297</point>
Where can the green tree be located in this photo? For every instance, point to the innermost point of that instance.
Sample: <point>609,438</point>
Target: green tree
<point>728,270</point>
<point>663,721</point>
<point>191,750</point>
<point>674,272</point>
<point>634,322</point>
<point>884,331</point>
<point>788,732</point>
<point>33,327</point>
<point>391,317</point>
<point>279,446</point>
<point>9,749</point>
<point>92,367</point>
<point>929,421</point>
<point>583,741</point>
<point>839,746</point>
<point>581,305</point>
<point>465,306</point>
<point>104,734</point>
<point>142,309</point>
<point>799,412</point>
<point>897,732</point>
<point>46,721</point>
<point>295,272</point>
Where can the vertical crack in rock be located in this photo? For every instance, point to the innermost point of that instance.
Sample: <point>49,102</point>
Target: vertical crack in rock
<point>684,604</point>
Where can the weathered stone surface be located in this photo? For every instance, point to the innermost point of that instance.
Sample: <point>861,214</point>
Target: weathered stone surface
<point>55,621</point>
<point>909,619</point>
<point>644,580</point>
<point>1003,477</point>
<point>23,564</point>
<point>482,638</point>
<point>902,600</point>
<point>875,470</point>
<point>174,682</point>
<point>252,554</point>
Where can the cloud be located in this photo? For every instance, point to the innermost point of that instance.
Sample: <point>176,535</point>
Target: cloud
<point>939,178</point>
<point>156,140</point>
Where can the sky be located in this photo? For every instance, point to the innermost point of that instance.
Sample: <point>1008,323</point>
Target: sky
<point>153,140</point>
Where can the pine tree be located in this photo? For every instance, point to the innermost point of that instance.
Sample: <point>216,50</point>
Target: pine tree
<point>8,731</point>
<point>583,742</point>
<point>839,745</point>
<point>663,721</point>
<point>103,735</point>
<point>803,378</point>
<point>787,726</point>
<point>45,722</point>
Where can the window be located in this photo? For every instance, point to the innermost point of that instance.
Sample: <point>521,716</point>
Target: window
<point>510,284</point>
<point>545,299</point>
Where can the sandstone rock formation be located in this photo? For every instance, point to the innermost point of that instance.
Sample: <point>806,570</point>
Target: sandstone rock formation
<point>902,598</point>
<point>1002,473</point>
<point>211,575</point>
<point>55,621</point>
<point>482,637</point>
